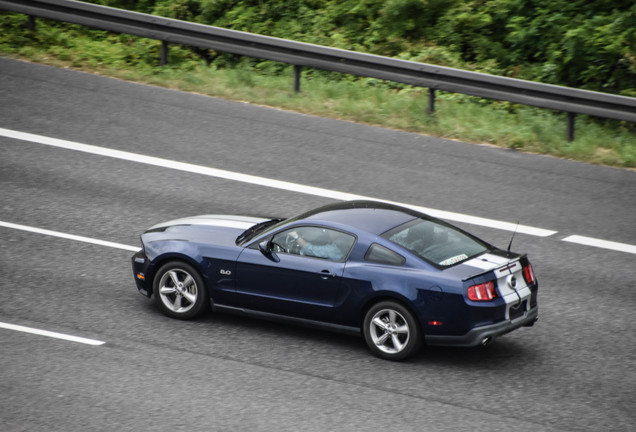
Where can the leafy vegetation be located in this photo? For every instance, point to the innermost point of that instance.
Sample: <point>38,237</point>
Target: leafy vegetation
<point>580,43</point>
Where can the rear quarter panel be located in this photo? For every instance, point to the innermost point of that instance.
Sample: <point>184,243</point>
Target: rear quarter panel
<point>424,292</point>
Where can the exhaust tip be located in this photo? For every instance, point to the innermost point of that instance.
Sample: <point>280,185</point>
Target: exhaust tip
<point>485,341</point>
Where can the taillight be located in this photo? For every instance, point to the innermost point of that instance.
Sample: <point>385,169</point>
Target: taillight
<point>482,292</point>
<point>528,274</point>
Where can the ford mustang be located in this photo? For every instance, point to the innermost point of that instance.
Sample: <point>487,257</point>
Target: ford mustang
<point>398,277</point>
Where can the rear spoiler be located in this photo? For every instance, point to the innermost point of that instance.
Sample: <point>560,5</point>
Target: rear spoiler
<point>481,273</point>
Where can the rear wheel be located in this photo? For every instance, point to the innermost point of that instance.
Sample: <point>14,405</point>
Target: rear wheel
<point>391,331</point>
<point>179,291</point>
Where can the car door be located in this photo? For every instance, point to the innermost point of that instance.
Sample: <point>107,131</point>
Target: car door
<point>291,280</point>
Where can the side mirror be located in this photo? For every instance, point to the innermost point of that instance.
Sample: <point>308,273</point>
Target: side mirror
<point>266,249</point>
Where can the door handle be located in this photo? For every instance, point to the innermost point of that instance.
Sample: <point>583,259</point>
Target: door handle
<point>326,274</point>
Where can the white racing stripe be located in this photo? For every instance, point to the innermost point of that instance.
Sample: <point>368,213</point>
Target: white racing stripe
<point>487,261</point>
<point>262,181</point>
<point>227,221</point>
<point>51,334</point>
<point>69,236</point>
<point>589,241</point>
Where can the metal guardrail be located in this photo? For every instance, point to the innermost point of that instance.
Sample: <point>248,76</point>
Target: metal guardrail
<point>299,54</point>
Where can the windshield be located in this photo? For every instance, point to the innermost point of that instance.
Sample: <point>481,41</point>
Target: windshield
<point>252,232</point>
<point>436,242</point>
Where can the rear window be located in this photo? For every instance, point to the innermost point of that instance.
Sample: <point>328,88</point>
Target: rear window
<point>436,242</point>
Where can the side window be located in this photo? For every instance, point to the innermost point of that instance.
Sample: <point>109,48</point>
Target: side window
<point>382,255</point>
<point>315,242</point>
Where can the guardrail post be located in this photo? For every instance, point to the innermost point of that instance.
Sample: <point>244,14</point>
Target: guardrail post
<point>31,23</point>
<point>570,131</point>
<point>297,71</point>
<point>164,53</point>
<point>431,102</point>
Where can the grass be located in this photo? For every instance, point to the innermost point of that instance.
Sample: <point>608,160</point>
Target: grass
<point>362,100</point>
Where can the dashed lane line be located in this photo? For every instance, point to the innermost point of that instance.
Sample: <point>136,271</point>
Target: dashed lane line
<point>604,244</point>
<point>51,334</point>
<point>68,236</point>
<point>262,181</point>
<point>277,184</point>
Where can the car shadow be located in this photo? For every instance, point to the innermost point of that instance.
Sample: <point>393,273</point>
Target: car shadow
<point>501,353</point>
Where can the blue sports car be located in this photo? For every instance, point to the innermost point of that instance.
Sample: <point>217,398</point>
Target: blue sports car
<point>399,277</point>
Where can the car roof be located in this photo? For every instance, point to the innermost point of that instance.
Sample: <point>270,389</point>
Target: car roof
<point>370,216</point>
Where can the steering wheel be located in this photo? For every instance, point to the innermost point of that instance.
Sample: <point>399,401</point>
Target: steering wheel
<point>292,245</point>
<point>286,244</point>
<point>276,247</point>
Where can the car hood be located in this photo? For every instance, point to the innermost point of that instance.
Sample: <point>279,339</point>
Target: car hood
<point>221,221</point>
<point>196,236</point>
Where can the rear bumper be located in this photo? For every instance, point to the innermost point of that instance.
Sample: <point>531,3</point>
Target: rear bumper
<point>485,334</point>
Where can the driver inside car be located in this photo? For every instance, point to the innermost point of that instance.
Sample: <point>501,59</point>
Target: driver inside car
<point>322,245</point>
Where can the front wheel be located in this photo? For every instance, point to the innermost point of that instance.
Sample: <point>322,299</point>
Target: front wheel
<point>391,331</point>
<point>179,291</point>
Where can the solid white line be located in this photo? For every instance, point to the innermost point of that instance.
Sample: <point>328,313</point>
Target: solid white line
<point>589,241</point>
<point>262,181</point>
<point>51,334</point>
<point>69,236</point>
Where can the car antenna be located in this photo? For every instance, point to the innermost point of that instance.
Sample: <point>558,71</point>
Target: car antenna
<point>513,237</point>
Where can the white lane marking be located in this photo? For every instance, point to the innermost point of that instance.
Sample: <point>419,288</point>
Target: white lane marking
<point>51,334</point>
<point>589,241</point>
<point>262,181</point>
<point>229,175</point>
<point>69,236</point>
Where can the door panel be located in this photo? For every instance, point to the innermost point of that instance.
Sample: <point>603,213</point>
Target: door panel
<point>291,285</point>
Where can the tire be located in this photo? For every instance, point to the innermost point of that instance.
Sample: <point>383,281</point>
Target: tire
<point>179,291</point>
<point>391,331</point>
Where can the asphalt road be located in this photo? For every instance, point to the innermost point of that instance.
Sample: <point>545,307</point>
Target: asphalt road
<point>573,371</point>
